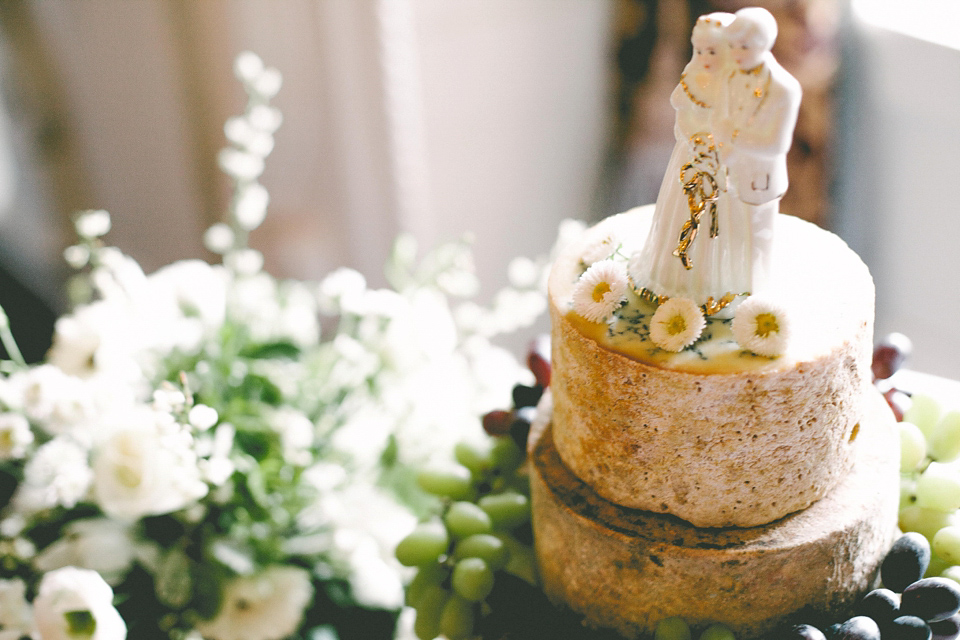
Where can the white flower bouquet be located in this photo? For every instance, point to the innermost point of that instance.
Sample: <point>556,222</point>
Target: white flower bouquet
<point>195,458</point>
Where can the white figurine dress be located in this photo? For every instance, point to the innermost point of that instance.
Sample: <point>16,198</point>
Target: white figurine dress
<point>717,265</point>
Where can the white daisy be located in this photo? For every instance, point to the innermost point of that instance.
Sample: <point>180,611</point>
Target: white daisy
<point>601,290</point>
<point>761,326</point>
<point>600,249</point>
<point>676,324</point>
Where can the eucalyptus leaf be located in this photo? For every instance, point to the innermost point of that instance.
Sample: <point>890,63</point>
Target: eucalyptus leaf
<point>284,349</point>
<point>173,582</point>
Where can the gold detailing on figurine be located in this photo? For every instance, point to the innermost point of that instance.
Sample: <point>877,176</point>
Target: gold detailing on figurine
<point>713,306</point>
<point>693,98</point>
<point>649,296</point>
<point>700,185</point>
<point>709,308</point>
<point>760,93</point>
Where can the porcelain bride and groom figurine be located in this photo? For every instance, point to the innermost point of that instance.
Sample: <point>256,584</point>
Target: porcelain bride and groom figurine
<point>713,223</point>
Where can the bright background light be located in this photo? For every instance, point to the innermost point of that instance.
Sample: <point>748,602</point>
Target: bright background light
<point>936,21</point>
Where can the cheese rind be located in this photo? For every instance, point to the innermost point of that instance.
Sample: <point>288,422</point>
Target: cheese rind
<point>627,569</point>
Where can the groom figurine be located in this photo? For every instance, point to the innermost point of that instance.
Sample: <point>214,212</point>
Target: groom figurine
<point>755,125</point>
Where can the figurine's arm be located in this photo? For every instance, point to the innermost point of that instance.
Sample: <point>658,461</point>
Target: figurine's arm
<point>686,123</point>
<point>769,131</point>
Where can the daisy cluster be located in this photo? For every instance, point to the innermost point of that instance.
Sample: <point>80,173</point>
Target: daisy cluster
<point>210,453</point>
<point>760,324</point>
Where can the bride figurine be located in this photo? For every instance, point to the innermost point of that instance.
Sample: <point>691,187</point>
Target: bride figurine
<point>736,110</point>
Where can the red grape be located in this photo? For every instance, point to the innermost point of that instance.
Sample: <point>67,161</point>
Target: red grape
<point>889,355</point>
<point>538,359</point>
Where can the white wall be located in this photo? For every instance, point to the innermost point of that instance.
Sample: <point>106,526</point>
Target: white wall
<point>899,205</point>
<point>431,116</point>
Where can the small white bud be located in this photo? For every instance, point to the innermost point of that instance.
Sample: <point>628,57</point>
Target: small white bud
<point>168,399</point>
<point>219,238</point>
<point>265,118</point>
<point>246,262</point>
<point>203,417</point>
<point>260,144</point>
<point>268,84</point>
<point>77,256</point>
<point>251,206</point>
<point>240,165</point>
<point>93,224</point>
<point>247,67</point>
<point>238,130</point>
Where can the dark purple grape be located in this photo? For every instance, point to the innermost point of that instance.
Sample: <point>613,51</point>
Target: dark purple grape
<point>524,396</point>
<point>882,605</point>
<point>906,562</point>
<point>520,427</point>
<point>858,628</point>
<point>498,422</point>
<point>802,632</point>
<point>948,629</point>
<point>889,355</point>
<point>538,359</point>
<point>907,628</point>
<point>897,401</point>
<point>932,599</point>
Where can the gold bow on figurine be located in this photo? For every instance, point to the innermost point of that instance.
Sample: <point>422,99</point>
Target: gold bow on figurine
<point>702,192</point>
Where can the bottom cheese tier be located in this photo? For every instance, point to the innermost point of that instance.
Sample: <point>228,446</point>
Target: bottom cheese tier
<point>626,569</point>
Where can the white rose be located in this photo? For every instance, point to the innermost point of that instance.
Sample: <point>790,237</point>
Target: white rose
<point>57,474</point>
<point>15,436</point>
<point>101,544</point>
<point>73,603</point>
<point>16,616</point>
<point>265,606</point>
<point>139,472</point>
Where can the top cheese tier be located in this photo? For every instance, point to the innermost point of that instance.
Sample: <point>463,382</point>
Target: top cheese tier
<point>714,434</point>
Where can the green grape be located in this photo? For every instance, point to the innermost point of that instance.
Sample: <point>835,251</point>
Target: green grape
<point>945,444</point>
<point>939,488</point>
<point>475,457</point>
<point>449,481</point>
<point>924,412</point>
<point>466,519</point>
<point>507,510</point>
<point>937,566</point>
<point>522,562</point>
<point>908,489</point>
<point>488,548</point>
<point>424,545</point>
<point>672,629</point>
<point>456,620</point>
<point>428,576</point>
<point>946,544</point>
<point>520,483</point>
<point>953,573</point>
<point>924,521</point>
<point>472,579</point>
<point>506,455</point>
<point>717,632</point>
<point>427,624</point>
<point>913,447</point>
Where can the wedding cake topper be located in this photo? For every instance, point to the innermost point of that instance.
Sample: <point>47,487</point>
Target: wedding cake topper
<point>713,222</point>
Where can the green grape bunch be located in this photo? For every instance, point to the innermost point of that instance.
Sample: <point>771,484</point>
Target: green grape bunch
<point>483,528</point>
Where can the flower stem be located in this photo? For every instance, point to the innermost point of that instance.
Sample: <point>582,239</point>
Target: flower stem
<point>8,341</point>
